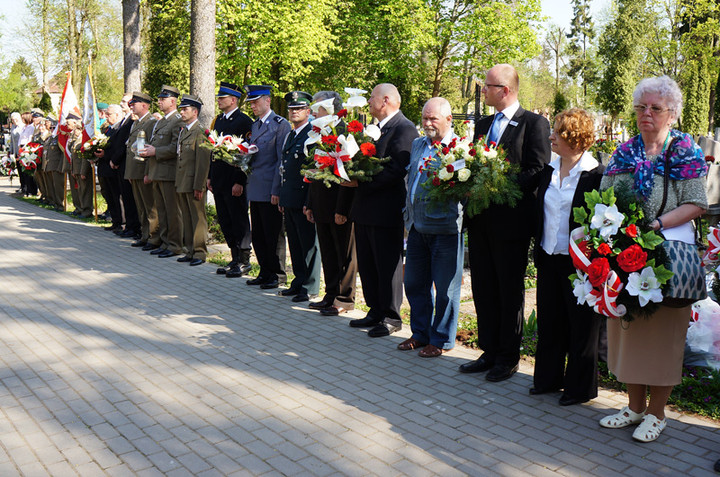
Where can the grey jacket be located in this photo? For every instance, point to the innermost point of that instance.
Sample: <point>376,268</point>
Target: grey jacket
<point>264,178</point>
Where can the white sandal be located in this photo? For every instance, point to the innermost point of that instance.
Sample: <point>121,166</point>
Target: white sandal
<point>649,429</point>
<point>626,417</point>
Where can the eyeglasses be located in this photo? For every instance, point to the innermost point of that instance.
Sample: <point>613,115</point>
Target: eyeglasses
<point>641,108</point>
<point>495,85</point>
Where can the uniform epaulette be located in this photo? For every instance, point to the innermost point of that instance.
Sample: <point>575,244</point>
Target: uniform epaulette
<point>279,119</point>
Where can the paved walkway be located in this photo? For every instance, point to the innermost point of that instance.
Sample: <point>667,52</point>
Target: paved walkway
<point>113,362</point>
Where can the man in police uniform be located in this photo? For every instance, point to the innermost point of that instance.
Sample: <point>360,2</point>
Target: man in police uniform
<point>193,164</point>
<point>263,188</point>
<point>302,240</point>
<point>135,171</point>
<point>160,164</point>
<point>227,183</point>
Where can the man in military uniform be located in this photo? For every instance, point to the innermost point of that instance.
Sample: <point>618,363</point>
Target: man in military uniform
<point>53,159</point>
<point>227,183</point>
<point>160,164</point>
<point>302,240</point>
<point>193,165</point>
<point>135,171</point>
<point>263,188</point>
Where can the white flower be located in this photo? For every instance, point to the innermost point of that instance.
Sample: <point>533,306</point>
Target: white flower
<point>463,174</point>
<point>355,102</point>
<point>349,145</point>
<point>355,91</point>
<point>645,286</point>
<point>372,131</point>
<point>326,104</point>
<point>313,138</point>
<point>607,220</point>
<point>490,153</point>
<point>582,289</point>
<point>444,175</point>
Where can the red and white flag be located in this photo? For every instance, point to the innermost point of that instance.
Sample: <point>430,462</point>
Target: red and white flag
<point>68,106</point>
<point>90,114</point>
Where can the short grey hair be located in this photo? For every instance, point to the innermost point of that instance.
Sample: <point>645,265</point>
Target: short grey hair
<point>114,108</point>
<point>445,108</point>
<point>664,86</point>
<point>323,95</point>
<point>15,115</point>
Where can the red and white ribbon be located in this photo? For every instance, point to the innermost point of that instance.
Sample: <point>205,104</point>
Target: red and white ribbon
<point>577,255</point>
<point>713,250</point>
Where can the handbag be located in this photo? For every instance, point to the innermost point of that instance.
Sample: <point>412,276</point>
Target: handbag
<point>687,284</point>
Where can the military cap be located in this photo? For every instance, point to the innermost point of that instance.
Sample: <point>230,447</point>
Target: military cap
<point>72,116</point>
<point>189,100</point>
<point>298,99</point>
<point>101,106</point>
<point>228,89</point>
<point>255,91</point>
<point>37,114</point>
<point>167,91</point>
<point>139,97</point>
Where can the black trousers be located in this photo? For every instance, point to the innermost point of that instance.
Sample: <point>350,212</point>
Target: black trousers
<point>565,330</point>
<point>268,239</point>
<point>132,221</point>
<point>232,215</point>
<point>304,251</point>
<point>337,250</point>
<point>379,256</point>
<point>497,265</point>
<point>110,190</point>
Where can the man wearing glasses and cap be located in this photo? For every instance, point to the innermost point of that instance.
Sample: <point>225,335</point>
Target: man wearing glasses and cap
<point>160,163</point>
<point>193,165</point>
<point>302,240</point>
<point>227,183</point>
<point>135,171</point>
<point>263,188</point>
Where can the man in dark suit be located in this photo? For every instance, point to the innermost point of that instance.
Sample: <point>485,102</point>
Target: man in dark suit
<point>378,217</point>
<point>263,188</point>
<point>302,240</point>
<point>227,183</point>
<point>499,237</point>
<point>116,151</point>
<point>108,177</point>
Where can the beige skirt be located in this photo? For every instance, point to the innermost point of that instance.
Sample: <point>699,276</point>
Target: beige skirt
<point>649,350</point>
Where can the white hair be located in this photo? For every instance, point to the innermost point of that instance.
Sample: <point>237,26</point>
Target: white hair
<point>665,87</point>
<point>445,108</point>
<point>15,115</point>
<point>114,108</point>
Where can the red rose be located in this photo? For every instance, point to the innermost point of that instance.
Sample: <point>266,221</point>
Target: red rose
<point>342,113</point>
<point>368,149</point>
<point>354,126</point>
<point>207,132</point>
<point>632,258</point>
<point>446,150</point>
<point>604,249</point>
<point>472,152</point>
<point>436,181</point>
<point>329,139</point>
<point>435,143</point>
<point>453,143</point>
<point>631,231</point>
<point>598,271</point>
<point>450,168</point>
<point>710,158</point>
<point>452,183</point>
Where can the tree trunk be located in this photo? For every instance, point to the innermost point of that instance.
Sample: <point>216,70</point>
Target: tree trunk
<point>73,51</point>
<point>202,56</point>
<point>131,44</point>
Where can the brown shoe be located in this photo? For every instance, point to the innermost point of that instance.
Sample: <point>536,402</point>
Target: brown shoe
<point>410,344</point>
<point>431,351</point>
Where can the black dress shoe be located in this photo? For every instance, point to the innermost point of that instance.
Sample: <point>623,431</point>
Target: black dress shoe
<point>184,259</point>
<point>566,400</point>
<point>118,231</point>
<point>158,251</point>
<point>480,365</point>
<point>234,272</point>
<point>366,322</point>
<point>289,292</point>
<point>535,391</point>
<point>319,305</point>
<point>300,297</point>
<point>196,261</point>
<point>245,268</point>
<point>223,270</point>
<point>127,233</point>
<point>383,329</point>
<point>501,372</point>
<point>149,247</point>
<point>111,228</point>
<point>333,310</point>
<point>256,281</point>
<point>166,254</point>
<point>270,284</point>
<point>138,243</point>
<point>717,466</point>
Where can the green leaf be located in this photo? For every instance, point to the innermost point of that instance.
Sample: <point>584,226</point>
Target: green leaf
<point>580,215</point>
<point>608,196</point>
<point>592,198</point>
<point>649,240</point>
<point>662,274</point>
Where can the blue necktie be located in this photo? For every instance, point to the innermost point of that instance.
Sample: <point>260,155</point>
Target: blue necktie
<point>495,128</point>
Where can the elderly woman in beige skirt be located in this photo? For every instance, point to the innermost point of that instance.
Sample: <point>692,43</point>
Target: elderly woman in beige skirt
<point>648,352</point>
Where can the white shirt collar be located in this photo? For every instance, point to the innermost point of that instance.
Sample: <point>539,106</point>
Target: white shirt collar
<point>388,118</point>
<point>267,115</point>
<point>586,163</point>
<point>510,111</point>
<point>227,115</point>
<point>140,119</point>
<point>301,127</point>
<point>188,126</point>
<point>170,114</point>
